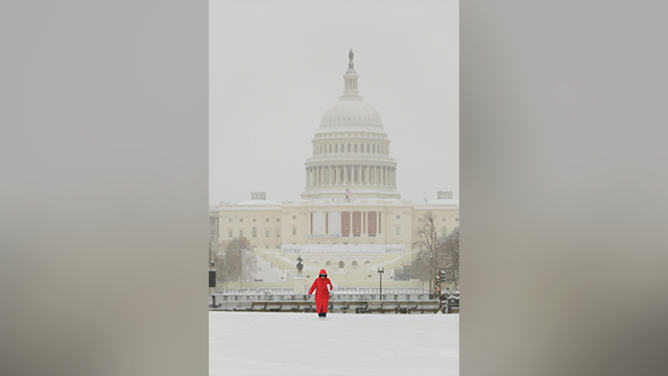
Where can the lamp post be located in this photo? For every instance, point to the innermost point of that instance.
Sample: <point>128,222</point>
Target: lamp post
<point>212,282</point>
<point>212,268</point>
<point>381,270</point>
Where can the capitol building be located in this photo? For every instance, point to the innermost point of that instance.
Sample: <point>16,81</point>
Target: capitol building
<point>350,219</point>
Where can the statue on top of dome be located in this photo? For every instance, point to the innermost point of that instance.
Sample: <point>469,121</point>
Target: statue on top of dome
<point>351,55</point>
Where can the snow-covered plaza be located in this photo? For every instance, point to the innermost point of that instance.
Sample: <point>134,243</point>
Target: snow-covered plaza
<point>274,343</point>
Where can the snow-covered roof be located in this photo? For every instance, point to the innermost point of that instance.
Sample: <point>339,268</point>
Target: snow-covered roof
<point>444,202</point>
<point>258,203</point>
<point>342,249</point>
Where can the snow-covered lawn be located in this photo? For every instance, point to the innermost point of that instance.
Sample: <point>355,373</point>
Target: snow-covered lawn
<point>273,343</point>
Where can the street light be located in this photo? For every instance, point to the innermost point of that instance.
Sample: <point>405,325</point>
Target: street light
<point>381,270</point>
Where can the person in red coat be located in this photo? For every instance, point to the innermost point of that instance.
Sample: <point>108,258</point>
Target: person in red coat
<point>323,290</point>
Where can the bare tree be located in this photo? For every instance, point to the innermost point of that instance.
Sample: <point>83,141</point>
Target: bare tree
<point>239,262</point>
<point>430,257</point>
<point>450,250</point>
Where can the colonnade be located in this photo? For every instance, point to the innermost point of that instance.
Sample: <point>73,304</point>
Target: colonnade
<point>362,223</point>
<point>351,175</point>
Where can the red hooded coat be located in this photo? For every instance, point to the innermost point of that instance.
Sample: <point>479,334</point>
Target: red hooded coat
<point>321,292</point>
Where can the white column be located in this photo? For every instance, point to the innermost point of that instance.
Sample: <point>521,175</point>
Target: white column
<point>373,174</point>
<point>355,174</point>
<point>365,223</point>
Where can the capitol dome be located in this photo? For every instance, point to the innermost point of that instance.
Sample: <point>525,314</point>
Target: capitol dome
<point>351,150</point>
<point>350,114</point>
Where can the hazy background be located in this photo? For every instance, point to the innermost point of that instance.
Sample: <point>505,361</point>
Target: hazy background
<point>276,67</point>
<point>104,220</point>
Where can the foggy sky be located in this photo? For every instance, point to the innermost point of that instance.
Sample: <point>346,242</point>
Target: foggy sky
<point>276,67</point>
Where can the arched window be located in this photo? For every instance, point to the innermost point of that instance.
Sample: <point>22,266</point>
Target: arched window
<point>328,263</point>
<point>294,231</point>
<point>341,264</point>
<point>367,263</point>
<point>354,265</point>
<point>254,232</point>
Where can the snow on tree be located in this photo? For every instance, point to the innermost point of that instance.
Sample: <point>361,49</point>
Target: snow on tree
<point>428,259</point>
<point>237,263</point>
<point>450,247</point>
<point>436,253</point>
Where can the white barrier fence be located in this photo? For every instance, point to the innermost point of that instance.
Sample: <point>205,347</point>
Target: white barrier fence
<point>358,300</point>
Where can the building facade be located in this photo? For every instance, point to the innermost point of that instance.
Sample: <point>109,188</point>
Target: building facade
<point>351,219</point>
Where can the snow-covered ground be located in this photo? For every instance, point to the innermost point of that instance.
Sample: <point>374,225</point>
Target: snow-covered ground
<point>273,343</point>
